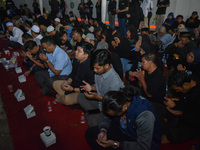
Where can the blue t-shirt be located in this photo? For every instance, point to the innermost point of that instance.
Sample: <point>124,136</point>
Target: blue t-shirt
<point>69,33</point>
<point>60,60</point>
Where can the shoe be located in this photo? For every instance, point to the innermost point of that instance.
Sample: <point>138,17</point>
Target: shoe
<point>45,90</point>
<point>50,94</point>
<point>23,63</point>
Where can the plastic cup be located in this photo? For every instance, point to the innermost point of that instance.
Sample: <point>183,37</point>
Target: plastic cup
<point>7,67</point>
<point>10,87</point>
<point>47,130</point>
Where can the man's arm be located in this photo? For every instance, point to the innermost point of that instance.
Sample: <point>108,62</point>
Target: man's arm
<point>33,59</point>
<point>51,66</point>
<point>15,37</point>
<point>140,75</point>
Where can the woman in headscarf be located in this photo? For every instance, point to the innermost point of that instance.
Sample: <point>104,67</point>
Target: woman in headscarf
<point>123,48</point>
<point>161,32</point>
<point>131,34</point>
<point>107,37</point>
<point>192,64</point>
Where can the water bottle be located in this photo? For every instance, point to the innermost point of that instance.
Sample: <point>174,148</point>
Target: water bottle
<point>139,65</point>
<point>164,60</point>
<point>82,118</point>
<point>166,90</point>
<point>49,106</point>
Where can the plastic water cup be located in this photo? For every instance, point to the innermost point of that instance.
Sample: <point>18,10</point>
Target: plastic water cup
<point>47,130</point>
<point>7,67</point>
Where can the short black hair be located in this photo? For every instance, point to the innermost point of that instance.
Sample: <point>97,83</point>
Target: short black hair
<point>77,30</point>
<point>48,40</point>
<point>100,57</point>
<point>145,29</point>
<point>28,23</point>
<point>114,100</point>
<point>30,45</point>
<point>62,33</point>
<point>168,29</point>
<point>83,17</point>
<point>194,13</point>
<point>179,16</point>
<point>87,48</point>
<point>150,57</point>
<point>71,12</point>
<point>27,36</point>
<point>25,5</point>
<point>178,78</point>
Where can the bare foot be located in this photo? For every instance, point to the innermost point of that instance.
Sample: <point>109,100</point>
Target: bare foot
<point>10,47</point>
<point>164,140</point>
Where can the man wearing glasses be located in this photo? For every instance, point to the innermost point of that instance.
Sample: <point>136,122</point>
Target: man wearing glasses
<point>58,64</point>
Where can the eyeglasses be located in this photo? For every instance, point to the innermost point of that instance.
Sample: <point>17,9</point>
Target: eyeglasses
<point>46,47</point>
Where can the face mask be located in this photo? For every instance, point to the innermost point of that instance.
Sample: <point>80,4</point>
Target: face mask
<point>170,17</point>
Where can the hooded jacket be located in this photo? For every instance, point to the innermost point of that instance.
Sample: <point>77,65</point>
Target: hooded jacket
<point>170,22</point>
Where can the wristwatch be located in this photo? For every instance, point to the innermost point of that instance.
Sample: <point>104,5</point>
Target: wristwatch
<point>73,90</point>
<point>115,145</point>
<point>47,61</point>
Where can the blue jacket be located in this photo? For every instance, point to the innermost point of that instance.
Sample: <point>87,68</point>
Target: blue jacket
<point>142,126</point>
<point>169,21</point>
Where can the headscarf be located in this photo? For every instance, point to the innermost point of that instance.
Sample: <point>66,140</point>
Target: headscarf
<point>196,53</point>
<point>146,44</point>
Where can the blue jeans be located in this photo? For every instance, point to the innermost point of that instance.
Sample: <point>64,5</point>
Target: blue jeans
<point>112,20</point>
<point>122,25</point>
<point>125,64</point>
<point>36,68</point>
<point>191,30</point>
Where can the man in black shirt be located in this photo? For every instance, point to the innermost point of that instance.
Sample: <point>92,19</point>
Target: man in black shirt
<point>121,11</point>
<point>186,110</point>
<point>160,13</point>
<point>151,80</point>
<point>54,34</point>
<point>77,36</point>
<point>34,62</point>
<point>69,90</point>
<point>89,9</point>
<point>111,13</point>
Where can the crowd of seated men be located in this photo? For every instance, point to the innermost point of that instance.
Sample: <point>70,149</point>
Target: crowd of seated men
<point>117,79</point>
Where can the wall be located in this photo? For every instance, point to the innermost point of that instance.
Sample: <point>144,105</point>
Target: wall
<point>184,7</point>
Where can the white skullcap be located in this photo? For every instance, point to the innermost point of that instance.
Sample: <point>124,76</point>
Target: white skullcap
<point>35,29</point>
<point>57,19</point>
<point>50,28</point>
<point>9,24</point>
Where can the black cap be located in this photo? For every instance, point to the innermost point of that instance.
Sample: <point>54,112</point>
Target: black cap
<point>66,23</point>
<point>145,29</point>
<point>97,29</point>
<point>28,23</point>
<point>185,34</point>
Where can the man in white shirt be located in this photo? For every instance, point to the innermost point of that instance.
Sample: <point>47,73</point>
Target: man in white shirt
<point>146,6</point>
<point>35,32</point>
<point>57,23</point>
<point>14,40</point>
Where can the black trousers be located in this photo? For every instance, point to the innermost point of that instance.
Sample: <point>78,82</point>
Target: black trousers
<point>114,133</point>
<point>45,81</point>
<point>13,44</point>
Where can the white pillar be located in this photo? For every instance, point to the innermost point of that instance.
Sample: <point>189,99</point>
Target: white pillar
<point>41,6</point>
<point>103,10</point>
